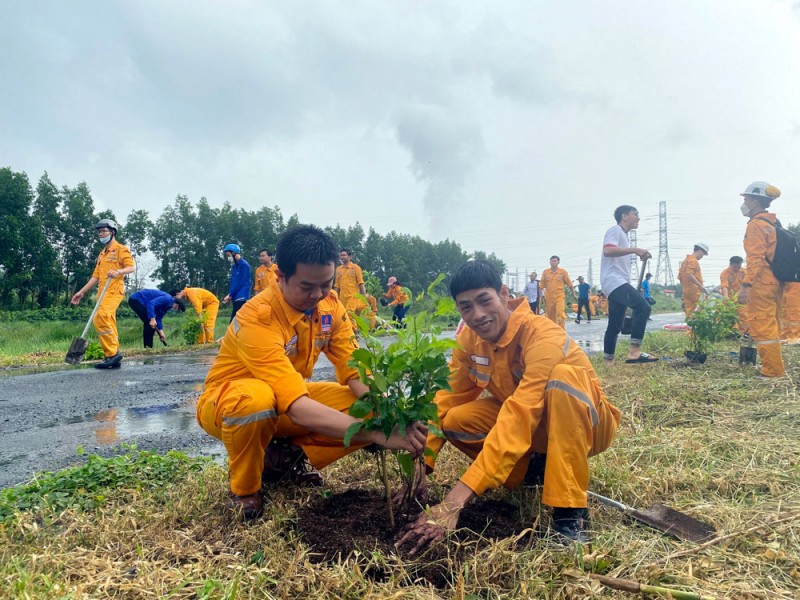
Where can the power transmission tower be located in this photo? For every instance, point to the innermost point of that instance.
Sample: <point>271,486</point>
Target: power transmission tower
<point>634,258</point>
<point>589,276</point>
<point>664,268</point>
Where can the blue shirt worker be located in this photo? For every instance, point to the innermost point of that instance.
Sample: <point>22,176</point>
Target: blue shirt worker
<point>646,289</point>
<point>151,306</point>
<point>240,285</point>
<point>583,299</point>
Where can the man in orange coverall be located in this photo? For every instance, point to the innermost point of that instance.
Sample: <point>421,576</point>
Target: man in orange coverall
<point>761,290</point>
<point>398,298</point>
<point>554,281</point>
<point>692,279</point>
<point>114,262</point>
<point>265,273</point>
<point>730,284</point>
<point>790,313</point>
<point>203,301</point>
<point>543,397</point>
<point>349,282</point>
<point>257,388</point>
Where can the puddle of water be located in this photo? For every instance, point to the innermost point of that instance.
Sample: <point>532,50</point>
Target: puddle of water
<point>180,359</point>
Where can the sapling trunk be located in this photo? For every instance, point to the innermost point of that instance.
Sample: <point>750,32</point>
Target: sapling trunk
<point>387,488</point>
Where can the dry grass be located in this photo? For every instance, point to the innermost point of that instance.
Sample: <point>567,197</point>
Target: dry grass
<point>712,441</point>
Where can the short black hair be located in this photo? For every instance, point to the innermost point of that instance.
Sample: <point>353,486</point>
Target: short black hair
<point>305,244</point>
<point>181,304</point>
<point>174,292</point>
<point>346,251</point>
<point>474,275</point>
<point>558,258</point>
<point>622,210</point>
<point>269,252</point>
<point>648,275</point>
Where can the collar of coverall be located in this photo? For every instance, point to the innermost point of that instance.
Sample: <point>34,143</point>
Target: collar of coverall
<point>519,312</point>
<point>113,243</point>
<point>293,315</point>
<point>764,215</point>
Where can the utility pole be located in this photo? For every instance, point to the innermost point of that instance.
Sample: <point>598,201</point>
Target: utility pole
<point>664,268</point>
<point>634,258</point>
<point>589,273</point>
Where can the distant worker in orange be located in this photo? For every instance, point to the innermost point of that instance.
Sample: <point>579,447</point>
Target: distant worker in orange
<point>114,262</point>
<point>396,296</point>
<point>265,273</point>
<point>691,278</point>
<point>350,282</point>
<point>790,313</point>
<point>730,284</point>
<point>554,281</point>
<point>761,290</point>
<point>206,305</point>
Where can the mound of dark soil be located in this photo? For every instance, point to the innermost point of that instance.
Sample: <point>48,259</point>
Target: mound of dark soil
<point>336,526</point>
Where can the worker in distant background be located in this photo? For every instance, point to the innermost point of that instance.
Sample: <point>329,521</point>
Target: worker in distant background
<point>790,313</point>
<point>583,299</point>
<point>691,278</point>
<point>206,305</point>
<point>240,285</point>
<point>350,282</point>
<point>151,306</point>
<point>554,281</point>
<point>114,262</point>
<point>265,273</point>
<point>730,284</point>
<point>395,296</point>
<point>761,290</point>
<point>532,292</point>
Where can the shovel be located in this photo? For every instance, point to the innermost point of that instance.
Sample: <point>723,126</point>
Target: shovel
<point>627,322</point>
<point>664,518</point>
<point>79,344</point>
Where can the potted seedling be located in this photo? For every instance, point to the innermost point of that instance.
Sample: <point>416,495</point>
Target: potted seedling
<point>403,379</point>
<point>714,320</point>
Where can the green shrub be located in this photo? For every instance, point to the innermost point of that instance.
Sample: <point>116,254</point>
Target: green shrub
<point>193,327</point>
<point>713,320</point>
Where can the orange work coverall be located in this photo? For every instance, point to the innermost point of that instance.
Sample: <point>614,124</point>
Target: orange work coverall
<point>113,257</point>
<point>691,291</point>
<point>763,304</point>
<point>790,313</point>
<point>204,301</point>
<point>732,280</point>
<point>397,295</point>
<point>543,396</point>
<point>553,283</point>
<point>268,352</point>
<point>348,279</point>
<point>265,276</point>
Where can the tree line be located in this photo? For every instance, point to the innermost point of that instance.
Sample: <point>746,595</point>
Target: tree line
<point>48,244</point>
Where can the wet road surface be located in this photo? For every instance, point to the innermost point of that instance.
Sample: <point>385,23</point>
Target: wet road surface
<point>47,413</point>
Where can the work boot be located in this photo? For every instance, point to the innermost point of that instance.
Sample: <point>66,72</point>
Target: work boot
<point>534,476</point>
<point>110,362</point>
<point>571,525</point>
<point>283,459</point>
<point>250,506</point>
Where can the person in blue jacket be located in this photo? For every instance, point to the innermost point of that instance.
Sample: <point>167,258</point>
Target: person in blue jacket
<point>151,306</point>
<point>240,285</point>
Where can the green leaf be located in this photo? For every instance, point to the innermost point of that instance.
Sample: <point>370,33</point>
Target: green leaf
<point>351,431</point>
<point>380,381</point>
<point>360,408</point>
<point>406,463</point>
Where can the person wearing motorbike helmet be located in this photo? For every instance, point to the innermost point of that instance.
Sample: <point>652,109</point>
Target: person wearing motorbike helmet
<point>113,263</point>
<point>240,284</point>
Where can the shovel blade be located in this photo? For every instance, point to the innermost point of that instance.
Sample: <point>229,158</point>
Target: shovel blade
<point>76,351</point>
<point>674,523</point>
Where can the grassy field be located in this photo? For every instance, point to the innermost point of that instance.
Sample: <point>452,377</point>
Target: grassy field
<point>713,441</point>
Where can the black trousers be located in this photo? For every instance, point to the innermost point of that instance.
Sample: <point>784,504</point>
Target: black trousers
<point>236,304</point>
<point>621,298</point>
<point>584,304</point>
<point>534,306</point>
<point>141,312</point>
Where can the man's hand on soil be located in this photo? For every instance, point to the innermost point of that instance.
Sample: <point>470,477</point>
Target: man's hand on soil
<point>430,527</point>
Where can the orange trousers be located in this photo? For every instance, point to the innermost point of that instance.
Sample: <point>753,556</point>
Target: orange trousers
<point>578,422</point>
<point>554,310</point>
<point>105,323</point>
<point>790,313</point>
<point>243,415</point>
<point>207,335</point>
<point>763,308</point>
<point>690,300</point>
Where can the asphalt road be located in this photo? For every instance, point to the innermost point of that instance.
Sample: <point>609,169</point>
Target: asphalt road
<point>45,415</point>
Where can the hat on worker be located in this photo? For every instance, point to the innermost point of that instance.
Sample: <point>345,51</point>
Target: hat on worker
<point>232,248</point>
<point>391,281</point>
<point>763,190</point>
<point>702,246</point>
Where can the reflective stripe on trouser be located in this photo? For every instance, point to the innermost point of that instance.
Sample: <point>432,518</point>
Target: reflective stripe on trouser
<point>207,335</point>
<point>690,301</point>
<point>554,310</point>
<point>105,323</point>
<point>763,307</point>
<point>577,423</point>
<point>242,414</point>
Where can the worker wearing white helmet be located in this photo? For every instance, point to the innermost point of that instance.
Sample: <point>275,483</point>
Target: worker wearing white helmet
<point>761,290</point>
<point>691,278</point>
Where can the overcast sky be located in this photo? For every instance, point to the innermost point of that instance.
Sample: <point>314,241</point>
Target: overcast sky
<point>513,127</point>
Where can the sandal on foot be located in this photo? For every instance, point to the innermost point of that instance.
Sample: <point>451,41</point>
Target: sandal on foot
<point>643,358</point>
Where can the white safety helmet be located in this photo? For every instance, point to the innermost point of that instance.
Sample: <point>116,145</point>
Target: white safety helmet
<point>763,190</point>
<point>112,225</point>
<point>702,246</point>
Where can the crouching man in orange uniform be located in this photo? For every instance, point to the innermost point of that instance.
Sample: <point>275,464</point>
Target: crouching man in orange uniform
<point>543,397</point>
<point>256,390</point>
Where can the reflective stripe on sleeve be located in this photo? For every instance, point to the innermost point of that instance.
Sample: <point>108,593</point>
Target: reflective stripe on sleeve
<point>261,415</point>
<point>566,346</point>
<point>577,394</point>
<point>235,325</point>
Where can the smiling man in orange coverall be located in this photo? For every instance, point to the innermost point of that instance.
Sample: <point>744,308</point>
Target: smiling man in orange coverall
<point>543,396</point>
<point>265,273</point>
<point>261,372</point>
<point>114,262</point>
<point>202,301</point>
<point>691,278</point>
<point>761,290</point>
<point>554,281</point>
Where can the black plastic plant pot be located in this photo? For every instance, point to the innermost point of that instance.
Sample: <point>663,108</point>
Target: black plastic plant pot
<point>747,355</point>
<point>696,357</point>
